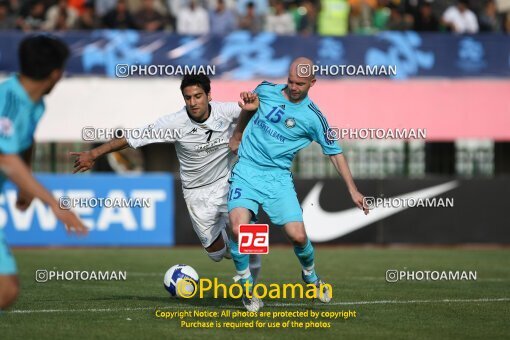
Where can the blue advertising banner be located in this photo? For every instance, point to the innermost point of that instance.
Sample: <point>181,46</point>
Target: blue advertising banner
<point>118,210</point>
<point>243,56</point>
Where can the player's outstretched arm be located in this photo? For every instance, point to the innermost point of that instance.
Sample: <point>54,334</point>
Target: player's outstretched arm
<point>85,160</point>
<point>342,167</point>
<point>249,104</point>
<point>17,171</point>
<point>24,198</point>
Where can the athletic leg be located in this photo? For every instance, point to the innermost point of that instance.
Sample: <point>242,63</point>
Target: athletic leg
<point>9,290</point>
<point>237,217</point>
<point>305,253</point>
<point>9,283</point>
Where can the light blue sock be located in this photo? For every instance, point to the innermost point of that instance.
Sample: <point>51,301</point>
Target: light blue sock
<point>242,262</point>
<point>255,265</point>
<point>306,256</point>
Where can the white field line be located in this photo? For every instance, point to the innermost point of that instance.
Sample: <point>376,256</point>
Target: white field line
<point>275,304</point>
<point>360,278</point>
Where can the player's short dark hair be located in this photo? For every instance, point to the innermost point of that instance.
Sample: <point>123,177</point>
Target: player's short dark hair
<point>201,81</point>
<point>41,54</point>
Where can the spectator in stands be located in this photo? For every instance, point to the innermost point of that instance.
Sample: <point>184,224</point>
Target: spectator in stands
<point>60,17</point>
<point>34,19</point>
<point>148,19</point>
<point>7,20</point>
<point>308,20</point>
<point>460,19</point>
<point>412,7</point>
<point>261,7</point>
<point>193,20</point>
<point>382,15</point>
<point>229,4</point>
<point>78,5</point>
<point>251,21</point>
<point>360,17</point>
<point>102,7</point>
<point>489,20</point>
<point>134,6</point>
<point>14,6</point>
<point>398,20</point>
<point>174,7</point>
<point>425,20</point>
<point>333,18</point>
<point>119,17</point>
<point>507,23</point>
<point>222,20</point>
<point>280,21</point>
<point>88,19</point>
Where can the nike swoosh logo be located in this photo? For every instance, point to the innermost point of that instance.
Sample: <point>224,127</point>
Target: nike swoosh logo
<point>326,226</point>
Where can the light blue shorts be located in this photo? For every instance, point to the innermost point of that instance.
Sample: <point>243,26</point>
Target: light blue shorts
<point>273,189</point>
<point>7,262</point>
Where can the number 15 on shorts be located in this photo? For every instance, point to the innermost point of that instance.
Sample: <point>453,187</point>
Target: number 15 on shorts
<point>253,239</point>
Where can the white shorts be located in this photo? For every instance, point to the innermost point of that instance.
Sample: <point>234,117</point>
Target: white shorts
<point>207,207</point>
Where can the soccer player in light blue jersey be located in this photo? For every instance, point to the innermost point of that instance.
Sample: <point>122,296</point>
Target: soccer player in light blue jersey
<point>286,122</point>
<point>42,60</point>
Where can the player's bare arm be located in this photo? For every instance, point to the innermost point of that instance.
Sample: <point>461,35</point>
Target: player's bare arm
<point>14,167</point>
<point>24,198</point>
<point>342,167</point>
<point>249,104</point>
<point>85,160</point>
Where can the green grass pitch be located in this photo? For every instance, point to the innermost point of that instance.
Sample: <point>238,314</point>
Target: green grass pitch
<point>402,310</point>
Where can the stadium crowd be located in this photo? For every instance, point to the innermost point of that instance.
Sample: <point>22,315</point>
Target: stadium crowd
<point>291,17</point>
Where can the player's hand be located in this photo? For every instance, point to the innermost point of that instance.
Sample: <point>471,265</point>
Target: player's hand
<point>234,143</point>
<point>71,221</point>
<point>23,201</point>
<point>84,161</point>
<point>249,101</point>
<point>357,198</point>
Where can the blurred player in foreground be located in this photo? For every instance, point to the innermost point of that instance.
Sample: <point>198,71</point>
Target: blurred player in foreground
<point>286,122</point>
<point>42,59</point>
<point>205,159</point>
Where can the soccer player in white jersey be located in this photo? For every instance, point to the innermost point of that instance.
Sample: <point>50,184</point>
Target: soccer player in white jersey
<point>205,159</point>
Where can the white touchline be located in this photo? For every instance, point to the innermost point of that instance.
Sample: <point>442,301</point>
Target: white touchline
<point>326,226</point>
<point>275,304</point>
<point>358,278</point>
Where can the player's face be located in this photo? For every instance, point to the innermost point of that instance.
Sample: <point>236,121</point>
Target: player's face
<point>197,102</point>
<point>297,87</point>
<point>53,79</point>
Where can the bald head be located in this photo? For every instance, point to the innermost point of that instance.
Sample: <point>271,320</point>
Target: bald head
<point>302,67</point>
<point>300,79</point>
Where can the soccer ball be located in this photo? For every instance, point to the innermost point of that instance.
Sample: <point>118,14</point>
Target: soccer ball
<point>179,280</point>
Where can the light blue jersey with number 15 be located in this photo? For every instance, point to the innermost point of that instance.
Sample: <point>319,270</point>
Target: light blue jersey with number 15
<point>280,128</point>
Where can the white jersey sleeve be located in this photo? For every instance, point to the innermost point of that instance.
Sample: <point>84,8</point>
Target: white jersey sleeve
<point>165,129</point>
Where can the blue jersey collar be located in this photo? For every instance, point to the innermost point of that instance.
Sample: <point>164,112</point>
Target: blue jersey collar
<point>282,87</point>
<point>20,90</point>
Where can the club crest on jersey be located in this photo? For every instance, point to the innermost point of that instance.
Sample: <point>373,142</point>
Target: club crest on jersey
<point>290,123</point>
<point>6,129</point>
<point>218,125</point>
